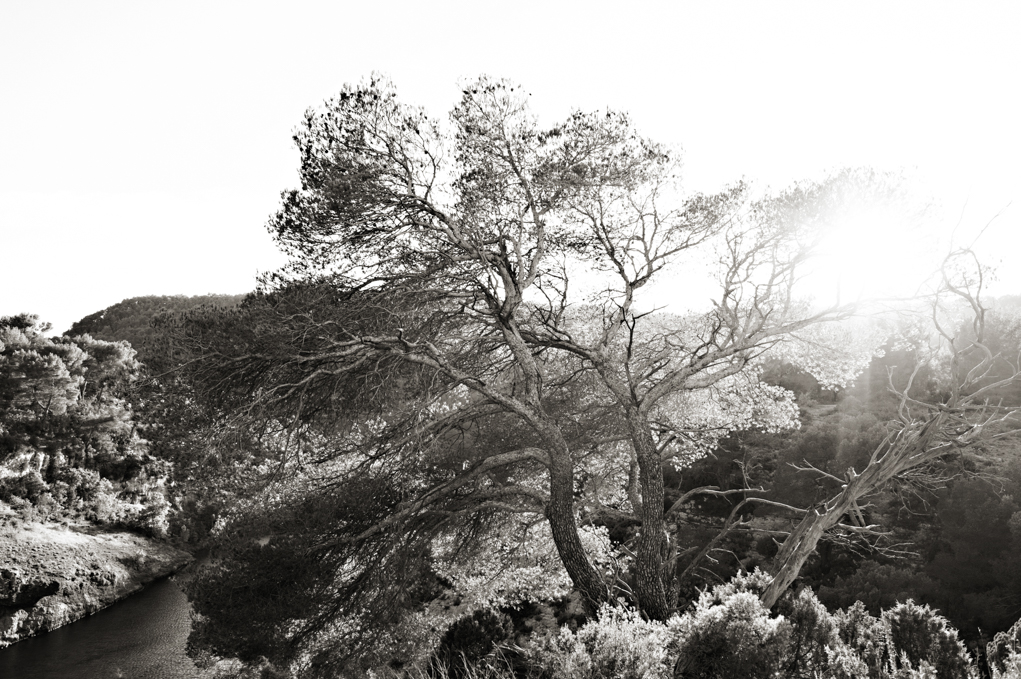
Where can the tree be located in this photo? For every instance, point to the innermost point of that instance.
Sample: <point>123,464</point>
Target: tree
<point>63,395</point>
<point>428,331</point>
<point>69,435</point>
<point>969,409</point>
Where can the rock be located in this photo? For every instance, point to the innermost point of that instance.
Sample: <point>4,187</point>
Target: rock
<point>9,626</point>
<point>52,612</point>
<point>54,575</point>
<point>19,591</point>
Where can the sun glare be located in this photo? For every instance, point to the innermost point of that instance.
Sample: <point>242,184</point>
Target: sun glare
<point>872,256</point>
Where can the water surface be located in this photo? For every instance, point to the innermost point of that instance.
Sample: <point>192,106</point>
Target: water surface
<point>141,637</point>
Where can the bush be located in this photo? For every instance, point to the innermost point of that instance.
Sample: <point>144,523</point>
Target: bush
<point>916,633</point>
<point>154,518</point>
<point>471,639</point>
<point>82,484</point>
<point>28,487</point>
<point>730,634</point>
<point>1004,651</point>
<point>104,508</point>
<point>617,644</point>
<point>813,636</point>
<point>864,636</point>
<point>1009,667</point>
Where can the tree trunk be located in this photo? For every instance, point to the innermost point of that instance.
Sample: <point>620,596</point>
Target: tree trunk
<point>796,549</point>
<point>653,544</point>
<point>909,449</point>
<point>560,514</point>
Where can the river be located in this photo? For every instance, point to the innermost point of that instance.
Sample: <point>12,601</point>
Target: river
<point>141,637</point>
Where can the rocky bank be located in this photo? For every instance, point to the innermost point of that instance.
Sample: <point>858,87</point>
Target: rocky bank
<point>52,575</point>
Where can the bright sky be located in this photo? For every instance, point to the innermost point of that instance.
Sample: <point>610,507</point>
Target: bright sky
<point>144,145</point>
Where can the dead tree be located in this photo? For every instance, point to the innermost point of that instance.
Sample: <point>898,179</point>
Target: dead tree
<point>925,431</point>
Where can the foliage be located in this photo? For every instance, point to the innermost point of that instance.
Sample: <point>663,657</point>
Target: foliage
<point>969,556</point>
<point>813,636</point>
<point>261,597</point>
<point>618,643</point>
<point>130,320</point>
<point>721,631</point>
<point>280,587</point>
<point>69,442</point>
<point>917,633</point>
<point>728,633</point>
<point>865,636</point>
<point>878,586</point>
<point>470,639</point>
<point>731,635</point>
<point>1003,653</point>
<point>432,338</point>
<point>61,395</point>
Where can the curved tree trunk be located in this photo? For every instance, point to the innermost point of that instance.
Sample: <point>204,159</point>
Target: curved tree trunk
<point>796,549</point>
<point>650,556</point>
<point>560,514</point>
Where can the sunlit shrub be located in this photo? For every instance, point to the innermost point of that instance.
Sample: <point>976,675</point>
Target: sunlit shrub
<point>1008,667</point>
<point>83,485</point>
<point>813,637</point>
<point>46,506</point>
<point>917,633</point>
<point>154,518</point>
<point>619,644</point>
<point>864,636</point>
<point>731,634</point>
<point>104,508</point>
<point>1004,653</point>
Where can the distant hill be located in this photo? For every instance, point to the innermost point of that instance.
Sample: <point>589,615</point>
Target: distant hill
<point>130,319</point>
<point>1010,304</point>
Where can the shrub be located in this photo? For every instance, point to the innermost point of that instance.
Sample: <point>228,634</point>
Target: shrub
<point>471,639</point>
<point>154,518</point>
<point>82,484</point>
<point>46,506</point>
<point>916,633</point>
<point>730,634</point>
<point>618,644</point>
<point>813,636</point>
<point>104,507</point>
<point>1009,667</point>
<point>864,636</point>
<point>29,486</point>
<point>1004,651</point>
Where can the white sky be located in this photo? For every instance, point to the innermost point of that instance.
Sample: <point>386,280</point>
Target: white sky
<point>143,145</point>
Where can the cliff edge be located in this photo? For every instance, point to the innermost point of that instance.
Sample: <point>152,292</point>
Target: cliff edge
<point>52,575</point>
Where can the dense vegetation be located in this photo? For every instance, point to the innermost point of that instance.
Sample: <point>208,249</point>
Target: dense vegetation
<point>421,450</point>
<point>70,445</point>
<point>82,431</point>
<point>130,320</point>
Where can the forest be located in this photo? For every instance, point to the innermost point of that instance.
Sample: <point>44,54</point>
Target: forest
<point>488,423</point>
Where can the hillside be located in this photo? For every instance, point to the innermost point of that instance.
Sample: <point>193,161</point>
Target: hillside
<point>130,319</point>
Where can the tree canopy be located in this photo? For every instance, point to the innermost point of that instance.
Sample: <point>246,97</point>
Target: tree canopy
<point>464,352</point>
<point>63,395</point>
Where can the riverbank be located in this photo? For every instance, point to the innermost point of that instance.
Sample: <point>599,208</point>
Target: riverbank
<point>53,574</point>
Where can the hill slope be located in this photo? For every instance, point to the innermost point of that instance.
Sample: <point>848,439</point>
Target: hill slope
<point>130,319</point>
